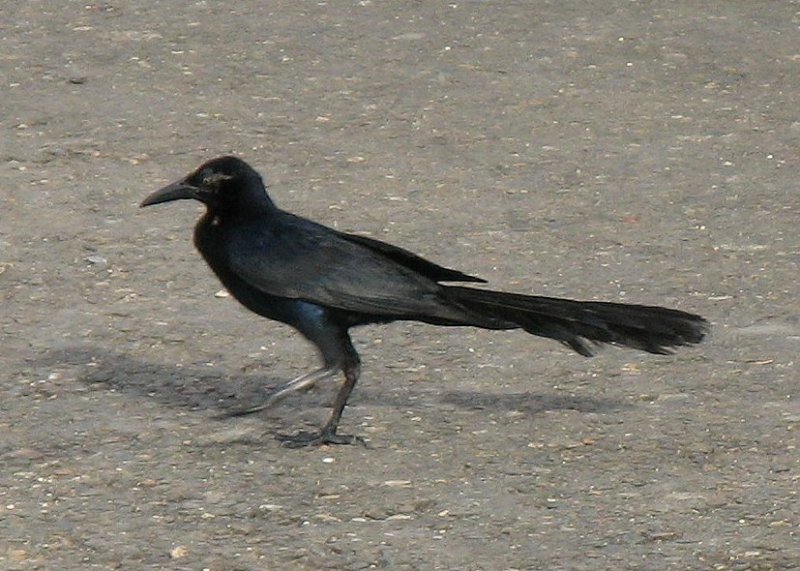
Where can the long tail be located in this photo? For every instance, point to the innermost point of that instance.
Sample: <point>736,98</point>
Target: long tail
<point>583,324</point>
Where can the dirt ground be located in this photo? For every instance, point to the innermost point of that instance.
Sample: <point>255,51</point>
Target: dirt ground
<point>638,151</point>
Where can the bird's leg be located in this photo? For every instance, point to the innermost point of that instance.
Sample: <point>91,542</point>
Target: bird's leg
<point>301,383</point>
<point>306,380</point>
<point>328,434</point>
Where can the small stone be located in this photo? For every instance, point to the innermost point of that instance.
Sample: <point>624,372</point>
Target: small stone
<point>397,483</point>
<point>97,260</point>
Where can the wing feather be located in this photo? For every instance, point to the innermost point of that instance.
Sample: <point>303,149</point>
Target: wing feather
<point>299,259</point>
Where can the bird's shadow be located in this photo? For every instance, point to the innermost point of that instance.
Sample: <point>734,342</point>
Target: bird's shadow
<point>191,386</point>
<point>219,391</point>
<point>531,403</point>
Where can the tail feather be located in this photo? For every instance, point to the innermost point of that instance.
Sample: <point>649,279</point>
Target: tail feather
<point>582,325</point>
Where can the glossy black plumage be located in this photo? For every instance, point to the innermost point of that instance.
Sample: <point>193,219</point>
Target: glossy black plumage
<point>323,282</point>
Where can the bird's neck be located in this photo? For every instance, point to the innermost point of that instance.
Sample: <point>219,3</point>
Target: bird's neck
<point>239,213</point>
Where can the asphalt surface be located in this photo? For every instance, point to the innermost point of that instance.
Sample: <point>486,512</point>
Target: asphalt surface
<point>628,151</point>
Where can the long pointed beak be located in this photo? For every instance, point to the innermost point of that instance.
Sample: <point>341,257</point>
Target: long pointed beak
<point>175,191</point>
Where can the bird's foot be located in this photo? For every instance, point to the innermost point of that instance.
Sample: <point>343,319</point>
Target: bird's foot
<point>304,439</point>
<point>243,411</point>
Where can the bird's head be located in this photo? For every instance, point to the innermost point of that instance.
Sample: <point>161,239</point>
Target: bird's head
<point>222,184</point>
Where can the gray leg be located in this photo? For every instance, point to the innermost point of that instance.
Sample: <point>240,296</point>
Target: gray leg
<point>350,365</point>
<point>305,380</point>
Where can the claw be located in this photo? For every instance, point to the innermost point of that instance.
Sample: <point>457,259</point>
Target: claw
<point>320,438</point>
<point>242,411</point>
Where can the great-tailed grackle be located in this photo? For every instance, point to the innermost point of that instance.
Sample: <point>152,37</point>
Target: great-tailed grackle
<point>323,282</point>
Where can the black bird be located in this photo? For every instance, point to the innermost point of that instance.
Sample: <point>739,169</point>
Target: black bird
<point>323,282</point>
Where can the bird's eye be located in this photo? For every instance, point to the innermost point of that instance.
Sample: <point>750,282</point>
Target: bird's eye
<point>213,180</point>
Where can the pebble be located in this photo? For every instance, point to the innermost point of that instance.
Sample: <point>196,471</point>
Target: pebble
<point>97,260</point>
